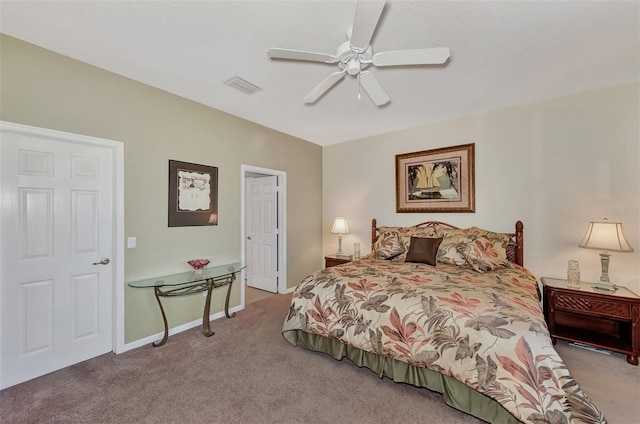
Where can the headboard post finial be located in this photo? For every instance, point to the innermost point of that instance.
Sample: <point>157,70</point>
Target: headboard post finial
<point>520,243</point>
<point>374,228</point>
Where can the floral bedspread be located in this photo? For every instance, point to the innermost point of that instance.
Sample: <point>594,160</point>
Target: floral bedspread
<point>486,330</point>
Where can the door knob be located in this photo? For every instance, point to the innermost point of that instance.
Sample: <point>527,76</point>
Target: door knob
<point>249,238</point>
<point>104,261</point>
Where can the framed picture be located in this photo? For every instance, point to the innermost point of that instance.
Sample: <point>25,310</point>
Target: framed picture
<point>193,194</point>
<point>438,180</point>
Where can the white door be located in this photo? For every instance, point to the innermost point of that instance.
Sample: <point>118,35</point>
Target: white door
<point>262,233</point>
<point>56,225</point>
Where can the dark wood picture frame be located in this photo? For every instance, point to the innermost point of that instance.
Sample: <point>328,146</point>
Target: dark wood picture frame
<point>193,194</point>
<point>437,180</point>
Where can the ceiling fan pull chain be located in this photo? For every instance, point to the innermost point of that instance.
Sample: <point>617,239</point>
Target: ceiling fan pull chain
<point>359,86</point>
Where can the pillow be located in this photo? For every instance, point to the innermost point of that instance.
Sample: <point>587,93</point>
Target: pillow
<point>448,250</point>
<point>484,255</point>
<point>423,250</point>
<point>389,246</point>
<point>453,238</point>
<point>405,233</point>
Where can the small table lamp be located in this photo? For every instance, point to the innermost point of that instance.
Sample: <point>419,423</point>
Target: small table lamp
<point>607,236</point>
<point>340,227</point>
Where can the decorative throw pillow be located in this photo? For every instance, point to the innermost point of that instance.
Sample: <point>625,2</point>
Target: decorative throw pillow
<point>426,232</point>
<point>453,238</point>
<point>484,255</point>
<point>388,245</point>
<point>423,250</point>
<point>405,234</point>
<point>448,250</point>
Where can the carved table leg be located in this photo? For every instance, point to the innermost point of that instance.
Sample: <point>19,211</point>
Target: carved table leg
<point>206,326</point>
<point>157,292</point>
<point>226,303</point>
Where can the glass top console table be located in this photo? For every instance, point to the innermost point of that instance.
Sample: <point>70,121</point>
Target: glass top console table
<point>187,283</point>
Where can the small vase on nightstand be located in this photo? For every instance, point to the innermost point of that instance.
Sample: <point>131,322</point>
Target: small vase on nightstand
<point>573,274</point>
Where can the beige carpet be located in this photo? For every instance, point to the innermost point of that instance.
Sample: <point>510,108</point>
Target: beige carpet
<point>252,295</point>
<point>248,373</point>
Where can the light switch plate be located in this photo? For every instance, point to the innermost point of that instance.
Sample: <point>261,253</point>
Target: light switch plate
<point>131,243</point>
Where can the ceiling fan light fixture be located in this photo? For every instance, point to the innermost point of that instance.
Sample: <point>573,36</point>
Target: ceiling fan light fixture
<point>353,67</point>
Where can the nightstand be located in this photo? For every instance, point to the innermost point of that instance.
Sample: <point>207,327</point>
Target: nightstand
<point>588,316</point>
<point>331,260</point>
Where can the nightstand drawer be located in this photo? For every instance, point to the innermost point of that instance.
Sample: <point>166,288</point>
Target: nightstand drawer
<point>330,261</point>
<point>596,306</point>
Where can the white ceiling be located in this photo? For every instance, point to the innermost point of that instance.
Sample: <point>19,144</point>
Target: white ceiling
<point>502,53</point>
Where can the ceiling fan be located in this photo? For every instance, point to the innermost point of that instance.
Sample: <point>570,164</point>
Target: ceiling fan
<point>356,54</point>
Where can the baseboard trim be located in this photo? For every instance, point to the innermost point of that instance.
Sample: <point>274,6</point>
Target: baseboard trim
<point>175,330</point>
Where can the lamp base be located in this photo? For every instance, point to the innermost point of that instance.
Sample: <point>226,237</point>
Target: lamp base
<point>608,287</point>
<point>604,284</point>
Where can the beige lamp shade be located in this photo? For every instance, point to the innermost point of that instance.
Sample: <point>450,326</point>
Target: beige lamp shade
<point>605,235</point>
<point>340,226</point>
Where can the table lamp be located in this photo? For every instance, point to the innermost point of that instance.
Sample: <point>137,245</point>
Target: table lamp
<point>607,236</point>
<point>340,227</point>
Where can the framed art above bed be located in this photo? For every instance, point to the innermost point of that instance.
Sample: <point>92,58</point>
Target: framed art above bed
<point>438,180</point>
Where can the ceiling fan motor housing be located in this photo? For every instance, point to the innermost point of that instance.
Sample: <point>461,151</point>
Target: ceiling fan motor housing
<point>351,59</point>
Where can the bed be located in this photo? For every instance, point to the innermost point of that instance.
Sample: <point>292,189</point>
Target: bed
<point>452,310</point>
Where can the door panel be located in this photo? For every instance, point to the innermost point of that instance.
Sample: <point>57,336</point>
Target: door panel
<point>57,221</point>
<point>36,305</point>
<point>262,233</point>
<point>84,219</point>
<point>86,305</point>
<point>36,223</point>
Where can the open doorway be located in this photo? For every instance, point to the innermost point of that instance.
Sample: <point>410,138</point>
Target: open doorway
<point>263,233</point>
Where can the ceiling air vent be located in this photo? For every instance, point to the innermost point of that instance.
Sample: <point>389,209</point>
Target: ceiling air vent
<point>242,85</point>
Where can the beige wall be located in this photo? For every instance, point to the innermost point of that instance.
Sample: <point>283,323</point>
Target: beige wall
<point>555,165</point>
<point>45,89</point>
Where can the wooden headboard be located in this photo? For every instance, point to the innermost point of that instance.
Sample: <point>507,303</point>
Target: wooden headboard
<point>515,250</point>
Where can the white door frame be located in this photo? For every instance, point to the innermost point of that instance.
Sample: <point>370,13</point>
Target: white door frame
<point>282,220</point>
<point>118,213</point>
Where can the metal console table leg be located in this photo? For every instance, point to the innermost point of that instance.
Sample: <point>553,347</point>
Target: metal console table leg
<point>208,286</point>
<point>206,325</point>
<point>226,302</point>
<point>158,293</point>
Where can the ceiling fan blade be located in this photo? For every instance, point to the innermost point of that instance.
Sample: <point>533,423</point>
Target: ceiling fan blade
<point>276,53</point>
<point>373,88</point>
<point>367,16</point>
<point>432,56</point>
<point>325,85</point>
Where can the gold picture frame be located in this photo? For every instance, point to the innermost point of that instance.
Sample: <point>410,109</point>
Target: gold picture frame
<point>437,180</point>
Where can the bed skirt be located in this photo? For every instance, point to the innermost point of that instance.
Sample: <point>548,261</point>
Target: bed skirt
<point>455,393</point>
